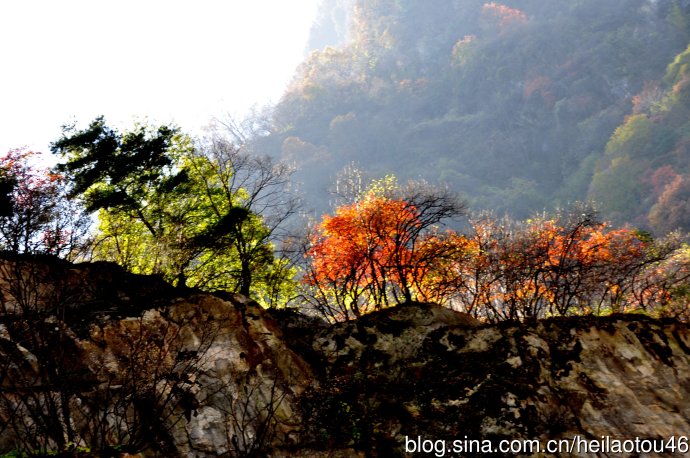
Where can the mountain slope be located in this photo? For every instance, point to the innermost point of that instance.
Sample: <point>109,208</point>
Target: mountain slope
<point>644,175</point>
<point>511,104</point>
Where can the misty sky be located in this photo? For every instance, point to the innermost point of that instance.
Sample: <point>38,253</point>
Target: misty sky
<point>172,60</point>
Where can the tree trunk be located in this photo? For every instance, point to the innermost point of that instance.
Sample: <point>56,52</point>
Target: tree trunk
<point>245,278</point>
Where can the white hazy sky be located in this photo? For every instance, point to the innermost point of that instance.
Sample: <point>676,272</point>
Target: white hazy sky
<point>181,61</point>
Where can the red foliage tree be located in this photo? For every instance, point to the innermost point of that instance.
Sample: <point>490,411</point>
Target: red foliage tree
<point>504,16</point>
<point>35,214</point>
<point>568,264</point>
<point>672,208</point>
<point>381,251</point>
<point>378,251</point>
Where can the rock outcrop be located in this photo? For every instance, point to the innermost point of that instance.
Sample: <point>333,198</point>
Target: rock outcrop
<point>174,372</point>
<point>621,377</point>
<point>185,373</point>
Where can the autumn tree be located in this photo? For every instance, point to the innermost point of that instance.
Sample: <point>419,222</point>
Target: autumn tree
<point>672,209</point>
<point>504,17</point>
<point>474,273</point>
<point>581,265</point>
<point>563,264</point>
<point>379,250</point>
<point>661,289</point>
<point>35,214</point>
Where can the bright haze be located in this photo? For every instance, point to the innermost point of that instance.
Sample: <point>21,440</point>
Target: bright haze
<point>167,61</point>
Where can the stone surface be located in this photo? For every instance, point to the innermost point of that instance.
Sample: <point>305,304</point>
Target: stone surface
<point>245,380</point>
<point>620,376</point>
<point>217,366</point>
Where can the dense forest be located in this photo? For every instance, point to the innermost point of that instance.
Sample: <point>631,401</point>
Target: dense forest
<point>521,106</point>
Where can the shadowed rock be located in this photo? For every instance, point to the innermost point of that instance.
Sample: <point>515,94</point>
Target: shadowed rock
<point>223,377</point>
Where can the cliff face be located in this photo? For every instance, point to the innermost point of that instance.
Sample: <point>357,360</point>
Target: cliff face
<point>94,358</point>
<point>202,375</point>
<point>621,376</point>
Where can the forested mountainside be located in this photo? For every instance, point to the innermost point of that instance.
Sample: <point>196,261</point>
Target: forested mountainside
<point>521,105</point>
<point>644,174</point>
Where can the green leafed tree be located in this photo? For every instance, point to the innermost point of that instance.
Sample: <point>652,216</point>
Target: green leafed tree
<point>201,214</point>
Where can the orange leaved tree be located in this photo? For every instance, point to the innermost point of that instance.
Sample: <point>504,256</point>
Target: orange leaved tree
<point>567,264</point>
<point>384,249</point>
<point>379,251</point>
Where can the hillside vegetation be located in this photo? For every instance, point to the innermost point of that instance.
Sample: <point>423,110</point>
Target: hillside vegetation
<point>513,104</point>
<point>525,108</point>
<point>643,176</point>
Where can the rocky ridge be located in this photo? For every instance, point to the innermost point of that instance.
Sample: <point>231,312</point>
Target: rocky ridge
<point>237,380</point>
